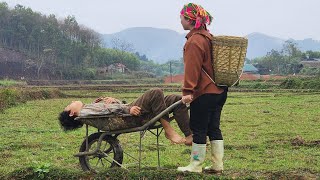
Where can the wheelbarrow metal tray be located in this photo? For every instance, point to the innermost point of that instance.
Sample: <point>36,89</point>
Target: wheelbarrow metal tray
<point>110,122</point>
<point>115,124</point>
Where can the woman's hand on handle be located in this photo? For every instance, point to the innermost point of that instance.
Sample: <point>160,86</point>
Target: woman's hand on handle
<point>187,99</point>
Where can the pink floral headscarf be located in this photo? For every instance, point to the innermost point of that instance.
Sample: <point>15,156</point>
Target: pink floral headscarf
<point>196,13</point>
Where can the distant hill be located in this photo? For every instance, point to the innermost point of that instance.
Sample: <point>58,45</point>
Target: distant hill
<point>162,45</point>
<point>260,44</point>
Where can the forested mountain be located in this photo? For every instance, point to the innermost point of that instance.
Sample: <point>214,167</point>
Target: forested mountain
<point>162,45</point>
<point>52,48</point>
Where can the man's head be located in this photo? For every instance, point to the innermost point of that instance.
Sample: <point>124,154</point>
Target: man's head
<point>194,16</point>
<point>67,117</point>
<point>74,107</point>
<point>67,122</point>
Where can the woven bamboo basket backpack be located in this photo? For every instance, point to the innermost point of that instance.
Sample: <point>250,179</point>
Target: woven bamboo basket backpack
<point>229,54</point>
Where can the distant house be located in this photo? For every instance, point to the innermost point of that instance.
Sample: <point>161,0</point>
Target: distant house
<point>311,63</point>
<point>113,68</point>
<point>250,72</point>
<point>116,67</point>
<point>249,68</point>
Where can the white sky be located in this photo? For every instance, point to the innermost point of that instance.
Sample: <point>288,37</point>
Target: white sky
<point>297,19</point>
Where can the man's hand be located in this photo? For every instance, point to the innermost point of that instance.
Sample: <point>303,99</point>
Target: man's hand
<point>187,99</point>
<point>98,100</point>
<point>135,110</point>
<point>109,100</point>
<point>106,100</point>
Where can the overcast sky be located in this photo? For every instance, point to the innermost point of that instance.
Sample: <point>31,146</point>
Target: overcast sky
<point>297,19</point>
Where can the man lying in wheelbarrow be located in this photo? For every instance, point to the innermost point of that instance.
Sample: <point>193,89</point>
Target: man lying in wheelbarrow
<point>143,109</point>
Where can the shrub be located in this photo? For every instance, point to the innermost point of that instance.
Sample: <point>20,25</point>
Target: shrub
<point>41,170</point>
<point>83,73</point>
<point>311,71</point>
<point>8,97</point>
<point>301,83</point>
<point>141,74</point>
<point>257,84</point>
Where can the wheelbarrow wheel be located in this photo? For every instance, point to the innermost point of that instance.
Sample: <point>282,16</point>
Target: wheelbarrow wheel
<point>109,155</point>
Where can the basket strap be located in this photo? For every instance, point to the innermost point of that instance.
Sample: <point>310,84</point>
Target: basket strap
<point>208,75</point>
<point>211,47</point>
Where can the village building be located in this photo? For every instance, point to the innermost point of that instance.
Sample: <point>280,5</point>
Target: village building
<point>112,69</point>
<point>250,72</point>
<point>311,63</point>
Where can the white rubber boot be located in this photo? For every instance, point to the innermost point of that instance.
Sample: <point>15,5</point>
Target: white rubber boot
<point>217,152</point>
<point>198,155</point>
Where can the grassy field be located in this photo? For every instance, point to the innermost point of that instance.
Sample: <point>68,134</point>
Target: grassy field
<point>267,135</point>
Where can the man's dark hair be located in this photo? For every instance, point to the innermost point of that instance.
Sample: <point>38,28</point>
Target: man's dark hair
<point>67,122</point>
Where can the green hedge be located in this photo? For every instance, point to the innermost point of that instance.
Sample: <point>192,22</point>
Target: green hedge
<point>301,83</point>
<point>9,82</point>
<point>12,96</point>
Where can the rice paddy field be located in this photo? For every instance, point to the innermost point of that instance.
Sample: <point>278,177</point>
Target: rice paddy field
<point>268,135</point>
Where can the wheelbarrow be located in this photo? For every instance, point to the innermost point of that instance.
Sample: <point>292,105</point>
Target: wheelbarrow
<point>102,149</point>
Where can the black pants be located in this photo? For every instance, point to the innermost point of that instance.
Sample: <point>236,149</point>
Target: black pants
<point>205,112</point>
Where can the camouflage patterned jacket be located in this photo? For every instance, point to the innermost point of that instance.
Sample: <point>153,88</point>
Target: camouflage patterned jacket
<point>112,122</point>
<point>101,108</point>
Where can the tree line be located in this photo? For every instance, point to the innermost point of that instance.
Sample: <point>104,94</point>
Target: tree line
<point>63,47</point>
<point>66,50</point>
<point>286,61</point>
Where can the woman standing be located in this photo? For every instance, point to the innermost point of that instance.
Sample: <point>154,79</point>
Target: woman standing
<point>205,98</point>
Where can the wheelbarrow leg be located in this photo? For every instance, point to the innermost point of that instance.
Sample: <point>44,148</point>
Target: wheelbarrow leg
<point>140,148</point>
<point>87,134</point>
<point>158,147</point>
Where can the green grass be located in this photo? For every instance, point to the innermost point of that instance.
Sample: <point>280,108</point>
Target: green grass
<point>259,130</point>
